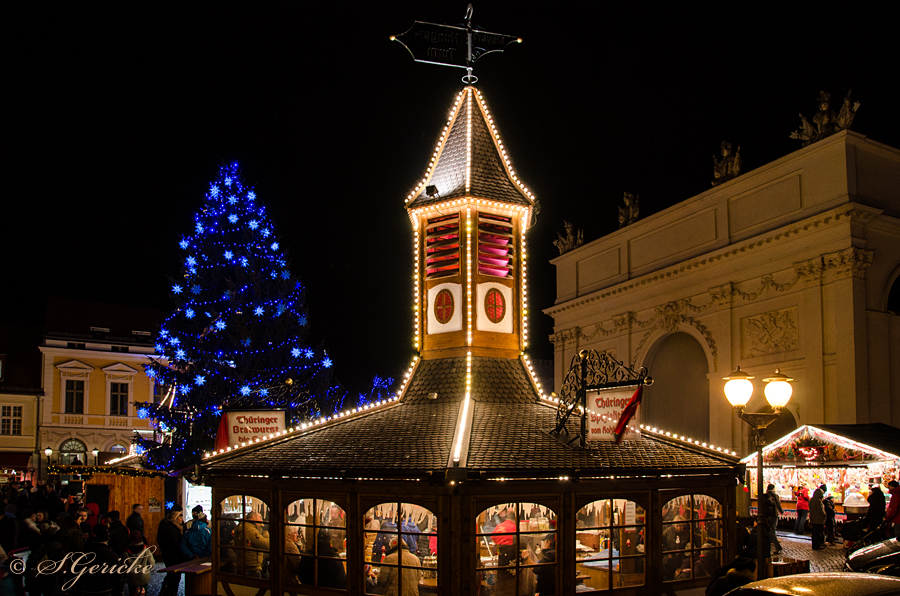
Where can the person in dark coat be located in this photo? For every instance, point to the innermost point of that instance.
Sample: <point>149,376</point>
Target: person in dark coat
<point>817,518</point>
<point>877,507</point>
<point>828,502</point>
<point>9,529</point>
<point>168,537</point>
<point>52,503</point>
<point>196,542</point>
<point>119,536</point>
<point>330,571</point>
<point>103,555</point>
<point>546,576</point>
<point>739,572</point>
<point>135,521</point>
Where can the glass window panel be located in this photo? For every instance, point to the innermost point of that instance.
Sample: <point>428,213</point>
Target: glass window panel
<point>315,529</point>
<point>401,549</point>
<point>244,536</point>
<point>608,531</point>
<point>706,561</point>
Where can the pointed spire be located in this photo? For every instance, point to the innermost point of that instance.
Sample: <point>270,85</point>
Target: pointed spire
<point>470,160</point>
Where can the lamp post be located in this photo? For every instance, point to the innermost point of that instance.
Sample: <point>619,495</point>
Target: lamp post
<point>778,391</point>
<point>96,453</point>
<point>48,452</point>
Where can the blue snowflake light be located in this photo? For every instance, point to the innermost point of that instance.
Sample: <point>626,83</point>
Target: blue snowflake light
<point>258,311</point>
<point>232,200</point>
<point>174,341</point>
<point>229,255</point>
<point>180,354</point>
<point>302,320</point>
<point>253,224</point>
<point>191,261</point>
<point>285,275</point>
<point>295,352</point>
<point>226,295</point>
<point>170,504</point>
<point>160,348</point>
<point>228,181</point>
<point>143,413</point>
<point>274,246</point>
<point>251,195</point>
<point>309,353</point>
<point>266,233</point>
<point>139,450</point>
<point>177,289</point>
<point>233,218</point>
<point>195,289</point>
<point>245,390</point>
<point>199,228</point>
<point>199,380</point>
<point>244,262</point>
<point>220,325</point>
<point>280,308</point>
<point>246,342</point>
<point>189,313</point>
<point>273,275</point>
<point>183,244</point>
<point>214,191</point>
<point>151,373</point>
<point>326,362</point>
<point>164,333</point>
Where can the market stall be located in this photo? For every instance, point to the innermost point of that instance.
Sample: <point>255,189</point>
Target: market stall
<point>847,458</point>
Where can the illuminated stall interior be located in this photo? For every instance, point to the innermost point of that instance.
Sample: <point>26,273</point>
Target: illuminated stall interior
<point>454,483</point>
<point>847,458</point>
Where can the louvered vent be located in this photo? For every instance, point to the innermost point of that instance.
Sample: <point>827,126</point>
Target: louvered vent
<point>495,245</point>
<point>442,247</point>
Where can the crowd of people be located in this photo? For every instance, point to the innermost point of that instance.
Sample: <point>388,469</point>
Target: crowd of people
<point>45,526</point>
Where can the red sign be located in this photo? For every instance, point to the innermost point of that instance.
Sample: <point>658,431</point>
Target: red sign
<point>604,410</point>
<point>243,427</point>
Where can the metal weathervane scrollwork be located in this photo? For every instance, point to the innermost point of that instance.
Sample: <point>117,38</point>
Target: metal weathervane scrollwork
<point>590,370</point>
<point>447,45</point>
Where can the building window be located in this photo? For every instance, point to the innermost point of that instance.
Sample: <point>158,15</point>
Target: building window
<point>118,449</point>
<point>118,399</point>
<point>72,451</point>
<point>11,420</point>
<point>400,542</point>
<point>315,545</point>
<point>74,397</point>
<point>243,535</point>
<point>609,544</point>
<point>691,537</point>
<point>442,246</point>
<point>495,245</point>
<point>516,549</point>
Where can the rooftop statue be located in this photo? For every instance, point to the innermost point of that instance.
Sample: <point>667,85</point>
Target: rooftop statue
<point>571,240</point>
<point>629,213</point>
<point>728,167</point>
<point>826,122</point>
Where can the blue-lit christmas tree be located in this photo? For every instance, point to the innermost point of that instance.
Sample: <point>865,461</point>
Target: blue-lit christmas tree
<point>236,338</point>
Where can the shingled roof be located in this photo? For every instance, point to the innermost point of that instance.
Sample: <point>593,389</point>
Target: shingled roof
<point>484,166</point>
<point>413,436</point>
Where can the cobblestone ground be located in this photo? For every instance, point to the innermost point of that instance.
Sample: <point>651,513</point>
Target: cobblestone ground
<point>798,546</point>
<point>156,582</point>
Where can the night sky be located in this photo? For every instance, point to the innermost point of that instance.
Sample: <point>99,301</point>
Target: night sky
<point>119,114</point>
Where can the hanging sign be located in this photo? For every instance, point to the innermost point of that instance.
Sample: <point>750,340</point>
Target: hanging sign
<point>605,407</point>
<point>246,426</point>
<point>448,46</point>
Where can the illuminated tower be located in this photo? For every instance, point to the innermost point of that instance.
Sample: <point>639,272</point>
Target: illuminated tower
<point>469,215</point>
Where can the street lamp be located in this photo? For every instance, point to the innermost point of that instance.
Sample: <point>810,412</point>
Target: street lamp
<point>96,453</point>
<point>778,391</point>
<point>48,452</point>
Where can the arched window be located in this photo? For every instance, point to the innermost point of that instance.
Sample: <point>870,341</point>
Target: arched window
<point>72,449</point>
<point>315,543</point>
<point>243,535</point>
<point>400,542</point>
<point>118,449</point>
<point>516,548</point>
<point>691,537</point>
<point>609,544</point>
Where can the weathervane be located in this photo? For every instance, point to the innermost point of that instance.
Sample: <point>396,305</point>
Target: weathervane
<point>446,45</point>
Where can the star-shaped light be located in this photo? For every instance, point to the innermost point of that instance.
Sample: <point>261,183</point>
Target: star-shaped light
<point>214,191</point>
<point>251,195</point>
<point>273,274</point>
<point>264,392</point>
<point>199,380</point>
<point>309,353</point>
<point>177,289</point>
<point>180,354</point>
<point>195,289</point>
<point>274,246</point>
<point>232,200</point>
<point>326,362</point>
<point>220,325</point>
<point>164,333</point>
<point>226,295</point>
<point>199,228</point>
<point>183,244</point>
<point>245,390</point>
<point>170,504</point>
<point>266,233</point>
<point>280,308</point>
<point>244,261</point>
<point>228,181</point>
<point>246,342</point>
<point>232,218</point>
<point>229,255</point>
<point>258,311</point>
<point>160,348</point>
<point>295,352</point>
<point>151,373</point>
<point>189,313</point>
<point>192,271</point>
<point>143,413</point>
<point>285,275</point>
<point>253,224</point>
<point>302,320</point>
<point>191,261</point>
<point>217,412</point>
<point>175,341</point>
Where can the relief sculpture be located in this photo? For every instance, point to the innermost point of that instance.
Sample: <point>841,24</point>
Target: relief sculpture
<point>770,332</point>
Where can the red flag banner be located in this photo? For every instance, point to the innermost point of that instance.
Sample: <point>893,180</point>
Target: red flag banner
<point>629,412</point>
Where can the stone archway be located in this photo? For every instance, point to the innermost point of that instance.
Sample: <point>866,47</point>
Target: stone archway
<point>678,400</point>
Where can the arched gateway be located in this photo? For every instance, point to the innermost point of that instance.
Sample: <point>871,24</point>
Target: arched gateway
<point>456,484</point>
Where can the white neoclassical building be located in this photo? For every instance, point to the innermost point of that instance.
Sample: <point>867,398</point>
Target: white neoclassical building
<point>790,265</point>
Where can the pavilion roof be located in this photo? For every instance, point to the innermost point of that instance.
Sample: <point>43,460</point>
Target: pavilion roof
<point>470,159</point>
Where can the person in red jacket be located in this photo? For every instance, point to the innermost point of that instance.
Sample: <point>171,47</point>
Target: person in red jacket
<point>892,515</point>
<point>802,496</point>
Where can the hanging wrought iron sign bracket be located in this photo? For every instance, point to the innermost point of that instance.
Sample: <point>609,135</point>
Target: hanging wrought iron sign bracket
<point>590,370</point>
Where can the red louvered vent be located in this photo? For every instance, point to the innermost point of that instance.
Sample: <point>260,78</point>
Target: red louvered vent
<point>496,254</point>
<point>442,246</point>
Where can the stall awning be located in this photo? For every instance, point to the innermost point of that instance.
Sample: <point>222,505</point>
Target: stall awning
<point>14,460</point>
<point>834,443</point>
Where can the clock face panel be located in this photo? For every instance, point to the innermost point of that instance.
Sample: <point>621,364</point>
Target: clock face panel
<point>494,306</point>
<point>444,307</point>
